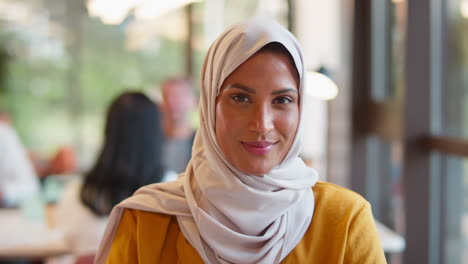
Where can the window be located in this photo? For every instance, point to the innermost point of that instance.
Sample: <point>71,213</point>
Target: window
<point>410,123</point>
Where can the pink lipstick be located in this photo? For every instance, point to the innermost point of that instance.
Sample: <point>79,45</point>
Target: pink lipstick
<point>258,147</point>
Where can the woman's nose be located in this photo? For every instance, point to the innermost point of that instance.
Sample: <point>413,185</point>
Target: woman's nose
<point>261,120</point>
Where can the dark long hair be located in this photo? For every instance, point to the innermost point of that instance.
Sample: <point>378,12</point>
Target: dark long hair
<point>131,155</point>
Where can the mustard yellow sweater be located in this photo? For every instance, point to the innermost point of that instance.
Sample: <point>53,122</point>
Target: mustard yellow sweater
<point>342,231</point>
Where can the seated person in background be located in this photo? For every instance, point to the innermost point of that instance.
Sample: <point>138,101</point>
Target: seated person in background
<point>131,157</point>
<point>62,162</point>
<point>178,103</point>
<point>18,180</point>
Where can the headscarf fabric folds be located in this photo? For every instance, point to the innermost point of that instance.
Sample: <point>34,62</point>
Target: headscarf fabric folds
<point>226,215</point>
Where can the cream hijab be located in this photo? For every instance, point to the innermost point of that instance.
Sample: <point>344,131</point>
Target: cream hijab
<point>226,215</point>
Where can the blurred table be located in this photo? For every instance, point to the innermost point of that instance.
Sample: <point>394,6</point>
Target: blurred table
<point>22,238</point>
<point>391,241</point>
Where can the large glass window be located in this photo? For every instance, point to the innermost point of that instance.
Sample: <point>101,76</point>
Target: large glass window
<point>454,123</point>
<point>415,60</point>
<point>454,208</point>
<point>398,11</point>
<point>384,155</point>
<point>388,29</point>
<point>455,96</point>
<point>383,183</point>
<point>61,67</point>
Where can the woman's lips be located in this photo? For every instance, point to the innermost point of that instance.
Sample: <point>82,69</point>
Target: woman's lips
<point>258,147</point>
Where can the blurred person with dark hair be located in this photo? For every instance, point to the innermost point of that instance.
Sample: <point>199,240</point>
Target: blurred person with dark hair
<point>178,103</point>
<point>18,180</point>
<point>131,157</point>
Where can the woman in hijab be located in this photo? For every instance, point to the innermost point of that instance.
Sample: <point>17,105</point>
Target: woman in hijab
<point>245,196</point>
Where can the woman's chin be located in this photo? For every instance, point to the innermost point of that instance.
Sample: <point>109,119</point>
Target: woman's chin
<point>256,171</point>
<point>255,165</point>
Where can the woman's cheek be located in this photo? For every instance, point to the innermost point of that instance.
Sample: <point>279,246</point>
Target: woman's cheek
<point>287,123</point>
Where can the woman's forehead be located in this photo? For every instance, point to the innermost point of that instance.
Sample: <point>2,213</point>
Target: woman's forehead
<point>265,65</point>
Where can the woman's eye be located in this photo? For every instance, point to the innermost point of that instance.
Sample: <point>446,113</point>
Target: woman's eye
<point>240,98</point>
<point>282,100</point>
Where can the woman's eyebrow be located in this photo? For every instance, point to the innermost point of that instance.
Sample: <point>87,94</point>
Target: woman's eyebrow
<point>242,87</point>
<point>285,90</point>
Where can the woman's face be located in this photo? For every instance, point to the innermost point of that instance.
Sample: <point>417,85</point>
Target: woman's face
<point>257,112</point>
